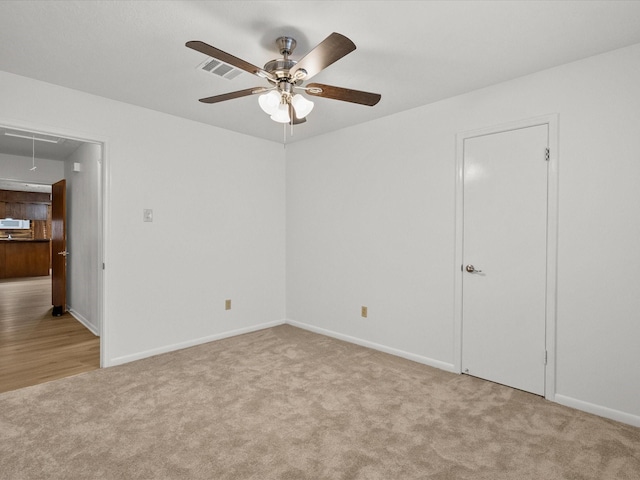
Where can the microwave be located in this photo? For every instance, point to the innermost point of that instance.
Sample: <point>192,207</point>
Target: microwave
<point>11,224</point>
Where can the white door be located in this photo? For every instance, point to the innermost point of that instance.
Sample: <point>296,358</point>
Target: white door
<point>504,257</point>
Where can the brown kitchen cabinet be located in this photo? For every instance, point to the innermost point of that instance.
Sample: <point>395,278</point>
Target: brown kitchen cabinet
<point>24,205</point>
<point>25,211</point>
<point>36,211</point>
<point>24,258</point>
<point>16,210</point>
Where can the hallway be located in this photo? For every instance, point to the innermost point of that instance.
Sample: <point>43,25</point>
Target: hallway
<point>36,347</point>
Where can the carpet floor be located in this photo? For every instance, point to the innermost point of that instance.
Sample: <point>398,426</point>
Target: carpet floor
<point>284,403</point>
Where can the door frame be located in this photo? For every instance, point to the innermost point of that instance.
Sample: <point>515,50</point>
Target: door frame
<point>552,240</point>
<point>103,202</point>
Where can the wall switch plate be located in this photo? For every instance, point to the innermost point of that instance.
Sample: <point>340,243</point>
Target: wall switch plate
<point>147,215</point>
<point>227,304</point>
<point>363,312</point>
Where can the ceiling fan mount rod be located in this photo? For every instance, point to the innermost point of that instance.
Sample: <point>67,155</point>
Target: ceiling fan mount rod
<point>281,68</point>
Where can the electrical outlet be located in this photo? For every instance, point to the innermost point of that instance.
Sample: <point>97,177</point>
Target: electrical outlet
<point>363,312</point>
<point>227,304</point>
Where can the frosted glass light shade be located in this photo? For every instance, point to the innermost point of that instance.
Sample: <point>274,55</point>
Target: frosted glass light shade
<point>302,106</point>
<point>282,114</point>
<point>269,102</point>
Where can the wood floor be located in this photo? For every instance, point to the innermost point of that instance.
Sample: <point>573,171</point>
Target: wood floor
<point>36,347</point>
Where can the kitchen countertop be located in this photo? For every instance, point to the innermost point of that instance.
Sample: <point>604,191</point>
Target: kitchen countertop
<point>24,240</point>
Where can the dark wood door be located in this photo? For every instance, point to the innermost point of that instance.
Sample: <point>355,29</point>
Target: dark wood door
<point>59,247</point>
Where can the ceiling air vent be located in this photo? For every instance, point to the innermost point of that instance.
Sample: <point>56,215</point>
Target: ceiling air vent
<point>221,69</point>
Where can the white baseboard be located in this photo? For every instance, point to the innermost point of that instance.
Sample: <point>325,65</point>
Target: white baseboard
<point>189,343</point>
<point>449,367</point>
<point>90,326</point>
<point>599,410</point>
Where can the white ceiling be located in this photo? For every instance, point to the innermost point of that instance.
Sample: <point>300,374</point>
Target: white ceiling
<point>411,52</point>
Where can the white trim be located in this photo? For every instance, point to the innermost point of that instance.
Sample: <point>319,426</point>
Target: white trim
<point>191,343</point>
<point>552,257</point>
<point>599,410</point>
<point>103,208</point>
<point>376,346</point>
<point>90,326</point>
<point>552,240</point>
<point>34,127</point>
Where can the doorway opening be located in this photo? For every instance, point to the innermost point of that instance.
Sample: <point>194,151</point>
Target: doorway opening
<point>31,161</point>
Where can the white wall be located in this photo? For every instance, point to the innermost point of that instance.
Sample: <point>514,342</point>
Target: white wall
<point>84,264</point>
<point>371,215</point>
<point>218,229</point>
<point>14,167</point>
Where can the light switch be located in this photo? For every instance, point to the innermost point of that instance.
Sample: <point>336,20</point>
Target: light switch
<point>147,215</point>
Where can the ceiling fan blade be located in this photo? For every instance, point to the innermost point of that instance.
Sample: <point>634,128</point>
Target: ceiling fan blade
<point>344,94</point>
<point>232,95</point>
<point>228,58</point>
<point>331,49</point>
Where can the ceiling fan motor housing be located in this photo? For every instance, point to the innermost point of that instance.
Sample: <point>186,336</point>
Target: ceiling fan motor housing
<point>280,67</point>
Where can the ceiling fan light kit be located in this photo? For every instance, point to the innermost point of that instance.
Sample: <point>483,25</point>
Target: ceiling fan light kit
<point>302,106</point>
<point>269,102</point>
<point>281,115</point>
<point>285,75</point>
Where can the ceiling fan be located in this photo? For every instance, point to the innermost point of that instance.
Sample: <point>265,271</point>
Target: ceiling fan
<point>282,99</point>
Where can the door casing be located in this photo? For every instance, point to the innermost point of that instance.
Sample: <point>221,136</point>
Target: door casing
<point>552,240</point>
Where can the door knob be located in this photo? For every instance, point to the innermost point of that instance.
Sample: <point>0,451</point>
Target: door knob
<point>472,269</point>
<point>64,253</point>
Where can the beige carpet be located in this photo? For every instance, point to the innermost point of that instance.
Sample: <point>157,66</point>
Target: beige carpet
<point>284,403</point>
